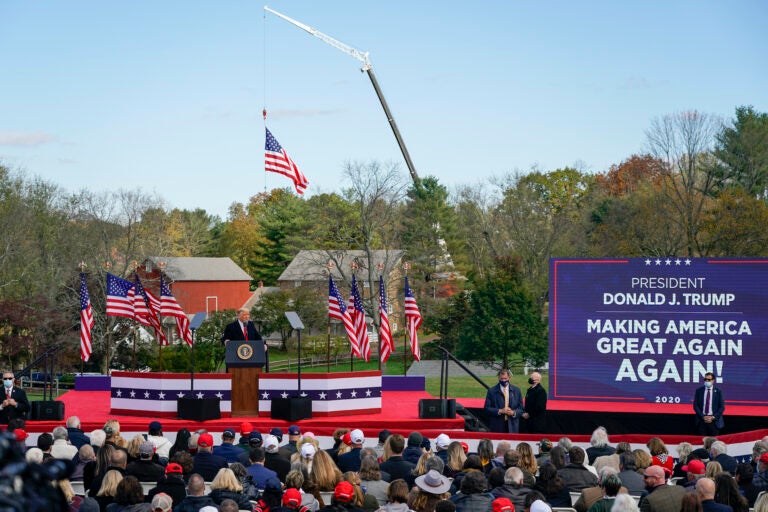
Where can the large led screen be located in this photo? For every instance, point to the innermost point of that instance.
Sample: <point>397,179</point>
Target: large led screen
<point>645,330</point>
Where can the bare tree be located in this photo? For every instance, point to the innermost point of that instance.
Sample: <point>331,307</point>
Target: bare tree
<point>684,142</point>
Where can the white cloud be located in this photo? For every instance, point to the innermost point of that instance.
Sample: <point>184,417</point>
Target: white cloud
<point>10,138</point>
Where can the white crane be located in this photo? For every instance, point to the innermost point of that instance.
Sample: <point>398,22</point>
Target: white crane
<point>367,68</point>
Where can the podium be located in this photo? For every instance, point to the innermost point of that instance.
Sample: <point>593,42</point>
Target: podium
<point>245,359</point>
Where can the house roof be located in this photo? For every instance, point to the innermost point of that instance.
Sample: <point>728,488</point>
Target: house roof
<point>201,269</point>
<point>258,294</point>
<point>312,265</point>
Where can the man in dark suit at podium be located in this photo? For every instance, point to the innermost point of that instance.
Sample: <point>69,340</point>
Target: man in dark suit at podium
<point>242,328</point>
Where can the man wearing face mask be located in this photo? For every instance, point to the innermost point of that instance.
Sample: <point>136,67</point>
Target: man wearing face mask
<point>709,405</point>
<point>534,417</point>
<point>14,401</point>
<point>504,405</point>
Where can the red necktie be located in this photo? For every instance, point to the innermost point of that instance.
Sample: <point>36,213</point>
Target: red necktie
<point>707,402</point>
<point>245,331</point>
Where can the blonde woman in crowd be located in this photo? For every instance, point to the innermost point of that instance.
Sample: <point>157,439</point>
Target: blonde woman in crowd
<point>225,485</point>
<point>455,459</point>
<point>713,468</point>
<point>683,451</point>
<point>761,505</point>
<point>527,458</point>
<point>421,465</point>
<point>363,500</point>
<point>133,447</point>
<point>106,494</point>
<point>323,471</point>
<point>642,460</point>
<point>112,431</point>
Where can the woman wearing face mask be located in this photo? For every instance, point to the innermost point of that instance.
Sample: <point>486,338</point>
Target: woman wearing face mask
<point>535,415</point>
<point>504,405</point>
<point>14,401</point>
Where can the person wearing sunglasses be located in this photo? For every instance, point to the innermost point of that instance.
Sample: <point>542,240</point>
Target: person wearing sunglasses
<point>15,404</point>
<point>709,405</point>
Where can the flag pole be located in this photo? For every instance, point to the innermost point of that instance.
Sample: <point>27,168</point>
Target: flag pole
<point>406,268</point>
<point>329,266</point>
<point>380,267</point>
<point>353,265</point>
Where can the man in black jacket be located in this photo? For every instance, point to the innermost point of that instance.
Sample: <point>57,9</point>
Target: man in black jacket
<point>145,469</point>
<point>14,401</point>
<point>76,436</point>
<point>535,415</point>
<point>196,497</point>
<point>396,465</point>
<point>173,484</point>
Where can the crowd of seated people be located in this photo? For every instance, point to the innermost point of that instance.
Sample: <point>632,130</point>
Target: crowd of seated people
<point>276,471</point>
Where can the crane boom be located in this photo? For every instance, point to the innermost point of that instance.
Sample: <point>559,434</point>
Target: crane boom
<point>368,69</point>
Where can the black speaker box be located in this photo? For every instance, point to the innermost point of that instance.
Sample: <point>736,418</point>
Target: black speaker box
<point>198,409</point>
<point>291,409</point>
<point>47,410</point>
<point>433,408</point>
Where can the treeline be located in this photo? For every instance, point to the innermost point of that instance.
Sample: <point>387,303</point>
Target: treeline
<point>698,189</point>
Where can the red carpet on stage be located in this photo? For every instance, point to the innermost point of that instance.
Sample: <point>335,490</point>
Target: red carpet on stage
<point>399,413</point>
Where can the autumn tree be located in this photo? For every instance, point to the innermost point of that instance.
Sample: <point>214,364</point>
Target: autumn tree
<point>684,142</point>
<point>540,217</point>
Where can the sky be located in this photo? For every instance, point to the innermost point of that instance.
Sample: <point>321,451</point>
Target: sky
<point>167,95</point>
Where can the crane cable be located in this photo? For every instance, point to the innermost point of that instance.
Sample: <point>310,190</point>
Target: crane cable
<point>264,87</point>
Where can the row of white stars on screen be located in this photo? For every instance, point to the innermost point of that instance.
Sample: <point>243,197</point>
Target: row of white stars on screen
<point>668,261</point>
<point>322,395</point>
<point>161,395</point>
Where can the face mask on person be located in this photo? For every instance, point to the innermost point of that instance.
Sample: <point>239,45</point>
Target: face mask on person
<point>531,382</point>
<point>504,383</point>
<point>708,384</point>
<point>8,383</point>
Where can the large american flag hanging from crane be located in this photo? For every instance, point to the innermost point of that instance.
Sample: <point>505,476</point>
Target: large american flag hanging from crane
<point>277,160</point>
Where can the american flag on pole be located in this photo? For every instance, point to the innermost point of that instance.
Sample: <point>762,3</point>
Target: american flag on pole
<point>277,160</point>
<point>358,317</point>
<point>169,307</point>
<point>338,309</point>
<point>145,310</point>
<point>86,320</point>
<point>412,320</point>
<point>118,302</point>
<point>386,345</point>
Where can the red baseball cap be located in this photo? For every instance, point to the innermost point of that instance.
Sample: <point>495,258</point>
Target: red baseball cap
<point>502,505</point>
<point>696,467</point>
<point>344,492</point>
<point>21,434</point>
<point>205,440</point>
<point>292,497</point>
<point>174,467</point>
